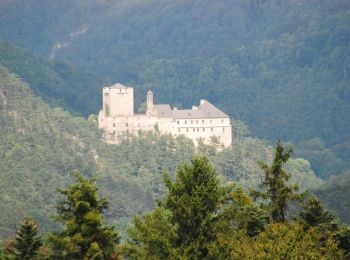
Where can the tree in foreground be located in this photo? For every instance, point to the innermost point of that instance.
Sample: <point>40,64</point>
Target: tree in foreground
<point>194,200</point>
<point>201,219</point>
<point>315,214</point>
<point>85,235</point>
<point>196,210</point>
<point>27,241</point>
<point>280,241</point>
<point>278,193</point>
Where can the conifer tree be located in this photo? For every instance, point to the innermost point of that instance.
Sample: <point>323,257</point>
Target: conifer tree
<point>315,214</point>
<point>278,193</point>
<point>85,235</point>
<point>194,199</point>
<point>27,241</point>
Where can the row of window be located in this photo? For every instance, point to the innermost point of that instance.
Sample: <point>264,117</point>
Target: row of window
<point>197,121</point>
<point>198,129</point>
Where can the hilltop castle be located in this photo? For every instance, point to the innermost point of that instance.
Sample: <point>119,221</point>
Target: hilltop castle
<point>117,118</point>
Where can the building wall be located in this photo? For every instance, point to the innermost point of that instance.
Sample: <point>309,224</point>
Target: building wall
<point>204,129</point>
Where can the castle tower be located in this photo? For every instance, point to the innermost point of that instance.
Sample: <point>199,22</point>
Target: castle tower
<point>149,103</point>
<point>118,100</point>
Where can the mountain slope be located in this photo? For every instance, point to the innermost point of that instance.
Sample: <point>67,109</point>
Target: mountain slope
<point>41,146</point>
<point>280,66</point>
<point>335,193</point>
<point>39,149</point>
<point>58,83</point>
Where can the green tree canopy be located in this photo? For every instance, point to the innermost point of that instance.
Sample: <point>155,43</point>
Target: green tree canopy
<point>27,241</point>
<point>278,193</point>
<point>85,235</point>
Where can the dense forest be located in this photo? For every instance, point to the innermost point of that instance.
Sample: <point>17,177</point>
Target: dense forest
<point>199,218</point>
<point>41,146</point>
<point>282,67</point>
<point>279,68</point>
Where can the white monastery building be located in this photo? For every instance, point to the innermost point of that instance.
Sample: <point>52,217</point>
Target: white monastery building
<point>118,120</point>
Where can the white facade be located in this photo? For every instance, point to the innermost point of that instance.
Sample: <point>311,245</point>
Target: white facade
<point>117,118</point>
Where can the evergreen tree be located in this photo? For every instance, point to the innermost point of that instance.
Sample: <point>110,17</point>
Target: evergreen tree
<point>27,241</point>
<point>315,214</point>
<point>186,223</point>
<point>85,235</point>
<point>275,181</point>
<point>194,200</point>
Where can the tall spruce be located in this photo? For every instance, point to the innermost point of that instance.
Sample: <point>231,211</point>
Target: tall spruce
<point>85,235</point>
<point>278,193</point>
<point>27,241</point>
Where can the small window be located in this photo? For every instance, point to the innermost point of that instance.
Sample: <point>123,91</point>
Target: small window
<point>203,129</point>
<point>196,121</point>
<point>197,129</point>
<point>186,129</point>
<point>113,124</point>
<point>178,122</point>
<point>223,129</point>
<point>185,121</point>
<point>194,129</point>
<point>191,121</point>
<point>126,124</point>
<point>202,121</point>
<point>212,129</point>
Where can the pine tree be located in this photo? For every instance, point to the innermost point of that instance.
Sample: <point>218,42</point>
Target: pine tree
<point>85,235</point>
<point>27,241</point>
<point>278,193</point>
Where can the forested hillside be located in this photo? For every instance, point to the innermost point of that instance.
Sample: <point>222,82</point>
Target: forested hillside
<point>58,83</point>
<point>336,193</point>
<point>41,146</point>
<point>282,67</point>
<point>39,149</point>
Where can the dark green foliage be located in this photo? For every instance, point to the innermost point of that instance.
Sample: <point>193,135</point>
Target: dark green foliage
<point>315,214</point>
<point>278,192</point>
<point>325,161</point>
<point>194,199</point>
<point>2,256</point>
<point>85,235</point>
<point>27,241</point>
<point>58,83</point>
<point>196,210</point>
<point>280,66</point>
<point>41,146</point>
<point>151,237</point>
<point>228,226</point>
<point>335,193</point>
